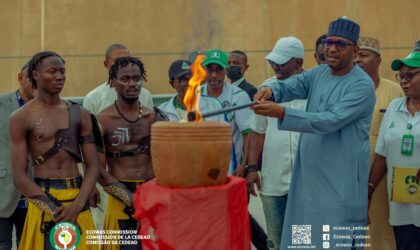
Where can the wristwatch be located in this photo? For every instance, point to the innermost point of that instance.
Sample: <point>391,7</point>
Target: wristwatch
<point>252,168</point>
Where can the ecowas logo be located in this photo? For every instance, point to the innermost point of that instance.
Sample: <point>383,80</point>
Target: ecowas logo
<point>64,236</point>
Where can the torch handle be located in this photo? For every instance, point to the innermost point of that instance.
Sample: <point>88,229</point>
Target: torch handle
<point>230,109</point>
<point>191,115</point>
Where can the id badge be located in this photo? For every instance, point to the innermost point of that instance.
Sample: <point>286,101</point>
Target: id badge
<point>407,145</point>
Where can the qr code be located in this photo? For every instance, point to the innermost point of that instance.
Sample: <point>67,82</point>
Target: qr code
<point>301,234</point>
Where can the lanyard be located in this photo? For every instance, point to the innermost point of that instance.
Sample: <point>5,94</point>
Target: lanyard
<point>407,143</point>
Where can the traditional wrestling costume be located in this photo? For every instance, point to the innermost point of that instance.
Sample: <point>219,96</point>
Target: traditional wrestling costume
<point>119,216</point>
<point>120,210</point>
<point>59,191</point>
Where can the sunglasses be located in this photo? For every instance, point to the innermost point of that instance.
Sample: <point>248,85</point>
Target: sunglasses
<point>276,65</point>
<point>339,44</point>
<point>407,76</point>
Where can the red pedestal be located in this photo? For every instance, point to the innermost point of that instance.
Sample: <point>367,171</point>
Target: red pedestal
<point>203,218</point>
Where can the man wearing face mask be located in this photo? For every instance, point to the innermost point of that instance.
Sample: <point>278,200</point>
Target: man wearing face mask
<point>237,65</point>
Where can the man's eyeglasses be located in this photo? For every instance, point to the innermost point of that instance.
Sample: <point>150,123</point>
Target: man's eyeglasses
<point>339,44</point>
<point>276,65</point>
<point>407,76</point>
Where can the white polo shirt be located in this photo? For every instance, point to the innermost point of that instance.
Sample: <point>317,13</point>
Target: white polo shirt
<point>207,103</point>
<point>239,119</point>
<point>102,96</point>
<point>393,127</point>
<point>279,151</point>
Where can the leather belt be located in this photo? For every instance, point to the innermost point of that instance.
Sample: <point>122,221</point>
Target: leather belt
<point>65,183</point>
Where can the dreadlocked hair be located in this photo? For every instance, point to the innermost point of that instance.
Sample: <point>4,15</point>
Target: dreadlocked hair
<point>36,60</point>
<point>123,62</point>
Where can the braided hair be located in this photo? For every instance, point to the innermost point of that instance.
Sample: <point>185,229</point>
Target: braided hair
<point>123,62</point>
<point>36,60</point>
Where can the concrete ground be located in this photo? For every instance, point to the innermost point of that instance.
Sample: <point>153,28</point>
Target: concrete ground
<point>256,209</point>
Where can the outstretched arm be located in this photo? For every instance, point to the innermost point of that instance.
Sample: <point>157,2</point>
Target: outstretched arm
<point>295,87</point>
<point>357,103</point>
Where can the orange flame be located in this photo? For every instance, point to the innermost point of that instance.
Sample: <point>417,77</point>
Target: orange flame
<point>192,96</point>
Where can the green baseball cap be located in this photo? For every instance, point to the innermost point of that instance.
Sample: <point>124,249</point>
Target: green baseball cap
<point>412,61</point>
<point>216,56</point>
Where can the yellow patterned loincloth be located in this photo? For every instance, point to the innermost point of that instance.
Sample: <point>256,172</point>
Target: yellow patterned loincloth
<point>33,238</point>
<point>115,212</point>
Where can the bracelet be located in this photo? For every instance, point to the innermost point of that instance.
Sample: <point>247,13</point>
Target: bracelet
<point>371,185</point>
<point>252,168</point>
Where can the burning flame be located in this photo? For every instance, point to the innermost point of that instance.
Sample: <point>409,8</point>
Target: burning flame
<point>192,96</point>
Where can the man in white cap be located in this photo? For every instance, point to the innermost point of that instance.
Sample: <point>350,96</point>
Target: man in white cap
<point>278,146</point>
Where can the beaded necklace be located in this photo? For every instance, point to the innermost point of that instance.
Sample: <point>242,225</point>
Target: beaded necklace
<point>125,118</point>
